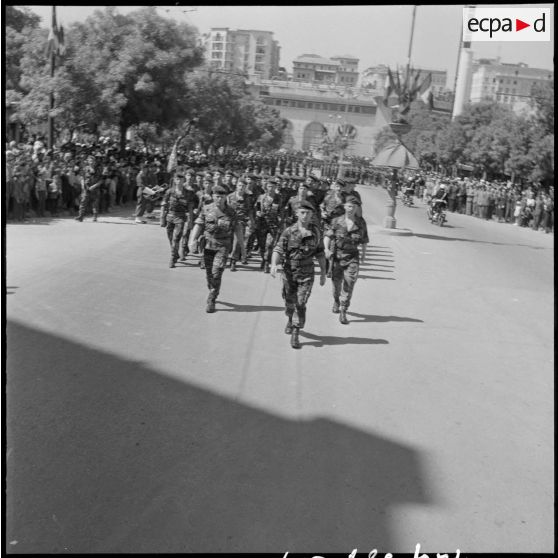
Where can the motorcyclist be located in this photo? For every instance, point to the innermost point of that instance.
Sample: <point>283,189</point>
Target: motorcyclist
<point>438,202</point>
<point>409,191</point>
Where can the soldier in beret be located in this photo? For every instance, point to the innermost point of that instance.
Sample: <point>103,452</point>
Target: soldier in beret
<point>342,241</point>
<point>296,249</point>
<point>218,221</point>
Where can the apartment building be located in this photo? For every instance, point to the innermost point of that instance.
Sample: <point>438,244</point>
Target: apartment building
<point>508,84</point>
<point>337,70</point>
<point>250,51</point>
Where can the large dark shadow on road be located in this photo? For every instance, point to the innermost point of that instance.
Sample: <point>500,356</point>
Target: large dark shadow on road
<point>108,455</point>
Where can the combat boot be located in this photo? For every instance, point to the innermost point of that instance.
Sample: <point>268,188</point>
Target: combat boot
<point>233,265</point>
<point>289,327</point>
<point>343,316</point>
<point>172,262</point>
<point>262,265</point>
<point>210,308</point>
<point>335,307</point>
<point>295,342</point>
<point>266,268</point>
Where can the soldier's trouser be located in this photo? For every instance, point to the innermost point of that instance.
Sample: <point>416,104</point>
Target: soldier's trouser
<point>343,279</point>
<point>266,243</point>
<point>175,226</point>
<point>236,253</point>
<point>215,261</point>
<point>85,201</point>
<point>296,293</point>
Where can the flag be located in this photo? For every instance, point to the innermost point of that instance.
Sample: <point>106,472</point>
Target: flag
<point>173,158</point>
<point>55,41</point>
<point>426,92</point>
<point>390,86</point>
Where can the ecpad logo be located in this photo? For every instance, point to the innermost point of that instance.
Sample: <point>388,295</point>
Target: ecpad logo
<point>506,24</point>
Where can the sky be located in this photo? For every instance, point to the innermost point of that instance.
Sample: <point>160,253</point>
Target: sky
<point>375,34</point>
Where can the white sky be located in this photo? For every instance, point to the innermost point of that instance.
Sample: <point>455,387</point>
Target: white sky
<point>375,34</point>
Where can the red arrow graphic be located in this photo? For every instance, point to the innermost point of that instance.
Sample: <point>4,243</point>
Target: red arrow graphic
<point>519,25</point>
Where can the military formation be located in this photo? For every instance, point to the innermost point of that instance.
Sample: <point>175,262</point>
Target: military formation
<point>289,223</point>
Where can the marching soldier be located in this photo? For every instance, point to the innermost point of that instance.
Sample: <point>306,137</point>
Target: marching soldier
<point>242,205</point>
<point>347,232</point>
<point>177,209</point>
<point>296,248</point>
<point>218,221</point>
<point>267,222</point>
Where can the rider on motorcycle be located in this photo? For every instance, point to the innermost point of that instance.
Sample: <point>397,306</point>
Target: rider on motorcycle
<point>409,191</point>
<point>438,201</point>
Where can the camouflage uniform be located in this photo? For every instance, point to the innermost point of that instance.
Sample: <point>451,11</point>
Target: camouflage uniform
<point>297,252</point>
<point>219,228</point>
<point>177,211</point>
<point>89,193</point>
<point>345,263</point>
<point>267,226</point>
<point>242,206</point>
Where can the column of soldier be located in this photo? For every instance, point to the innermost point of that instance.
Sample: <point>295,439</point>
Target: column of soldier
<point>223,216</point>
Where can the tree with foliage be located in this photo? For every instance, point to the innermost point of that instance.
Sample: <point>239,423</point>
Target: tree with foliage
<point>138,63</point>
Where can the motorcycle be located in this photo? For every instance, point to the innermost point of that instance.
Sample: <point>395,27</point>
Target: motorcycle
<point>436,212</point>
<point>407,197</point>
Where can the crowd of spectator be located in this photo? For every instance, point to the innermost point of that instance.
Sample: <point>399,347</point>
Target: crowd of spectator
<point>41,182</point>
<point>530,206</point>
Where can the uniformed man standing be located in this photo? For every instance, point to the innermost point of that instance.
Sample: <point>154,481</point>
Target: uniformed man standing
<point>343,239</point>
<point>91,181</point>
<point>218,221</point>
<point>296,249</point>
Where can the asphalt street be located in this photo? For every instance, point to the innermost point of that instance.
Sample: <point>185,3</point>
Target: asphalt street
<point>136,422</point>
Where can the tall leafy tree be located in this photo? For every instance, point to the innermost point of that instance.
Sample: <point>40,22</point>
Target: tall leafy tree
<point>138,64</point>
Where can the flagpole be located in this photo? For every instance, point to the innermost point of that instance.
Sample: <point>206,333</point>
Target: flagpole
<point>51,96</point>
<point>411,41</point>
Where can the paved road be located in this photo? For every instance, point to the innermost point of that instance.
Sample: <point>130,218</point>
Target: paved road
<point>136,422</point>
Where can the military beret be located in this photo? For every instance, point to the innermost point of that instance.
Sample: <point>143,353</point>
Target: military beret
<point>219,190</point>
<point>353,199</point>
<point>306,205</point>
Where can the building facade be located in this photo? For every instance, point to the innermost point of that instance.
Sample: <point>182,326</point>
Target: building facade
<point>315,114</point>
<point>338,70</point>
<point>250,52</point>
<point>375,79</point>
<point>508,84</point>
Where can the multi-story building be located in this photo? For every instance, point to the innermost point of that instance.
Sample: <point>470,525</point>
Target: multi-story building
<point>250,52</point>
<point>317,113</point>
<point>508,84</point>
<point>376,79</point>
<point>338,70</point>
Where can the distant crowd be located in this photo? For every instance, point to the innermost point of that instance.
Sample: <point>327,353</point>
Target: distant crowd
<point>42,182</point>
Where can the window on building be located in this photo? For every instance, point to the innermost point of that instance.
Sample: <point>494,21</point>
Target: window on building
<point>215,55</point>
<point>217,46</point>
<point>505,98</point>
<point>260,50</point>
<point>217,37</point>
<point>367,110</point>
